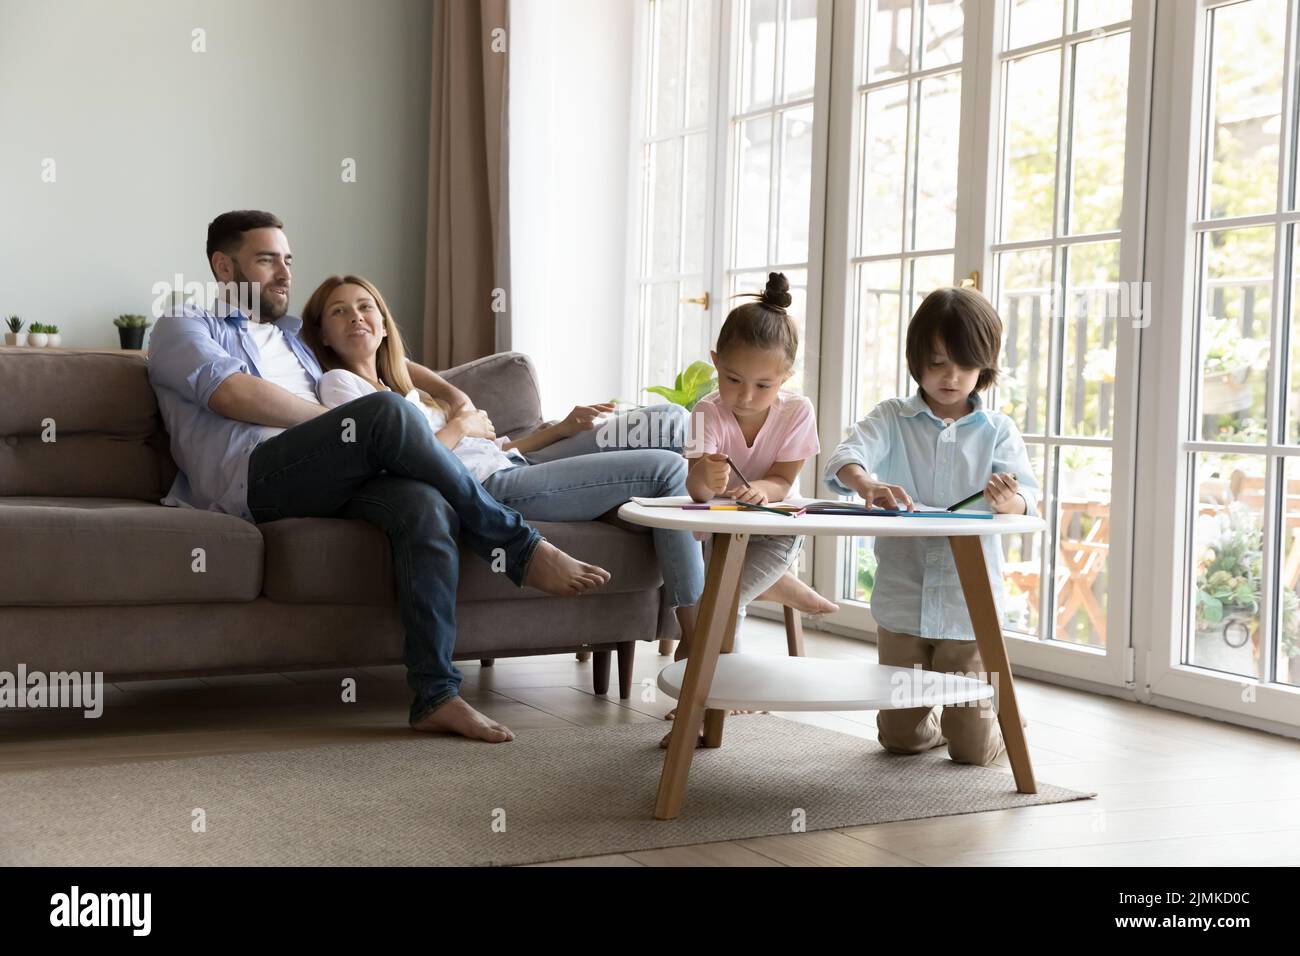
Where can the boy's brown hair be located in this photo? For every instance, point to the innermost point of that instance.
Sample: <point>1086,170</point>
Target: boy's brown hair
<point>967,325</point>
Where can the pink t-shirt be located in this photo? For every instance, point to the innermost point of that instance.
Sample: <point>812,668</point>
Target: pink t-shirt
<point>789,434</point>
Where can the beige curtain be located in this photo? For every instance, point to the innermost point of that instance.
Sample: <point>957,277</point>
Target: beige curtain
<point>467,251</point>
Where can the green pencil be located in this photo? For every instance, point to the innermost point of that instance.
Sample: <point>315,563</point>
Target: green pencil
<point>971,500</point>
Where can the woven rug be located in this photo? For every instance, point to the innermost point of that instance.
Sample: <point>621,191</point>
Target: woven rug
<point>433,800</point>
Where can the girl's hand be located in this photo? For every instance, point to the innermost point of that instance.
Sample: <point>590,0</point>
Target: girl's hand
<point>476,424</point>
<point>583,418</point>
<point>877,494</point>
<point>717,473</point>
<point>753,496</point>
<point>1001,492</point>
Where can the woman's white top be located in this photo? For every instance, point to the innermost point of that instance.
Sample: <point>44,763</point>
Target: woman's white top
<point>482,458</point>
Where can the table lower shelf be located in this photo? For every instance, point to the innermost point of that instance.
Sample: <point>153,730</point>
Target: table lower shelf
<point>759,682</point>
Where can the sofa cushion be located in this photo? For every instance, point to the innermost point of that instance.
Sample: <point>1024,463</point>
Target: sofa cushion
<point>119,551</point>
<point>505,386</point>
<point>342,561</point>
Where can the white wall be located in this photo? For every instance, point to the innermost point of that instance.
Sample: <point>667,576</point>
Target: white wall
<point>570,94</point>
<point>152,140</point>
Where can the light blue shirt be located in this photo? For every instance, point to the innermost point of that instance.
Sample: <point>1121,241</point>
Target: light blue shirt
<point>190,354</point>
<point>903,443</point>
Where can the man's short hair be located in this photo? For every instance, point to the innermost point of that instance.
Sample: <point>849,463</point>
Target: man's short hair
<point>226,232</point>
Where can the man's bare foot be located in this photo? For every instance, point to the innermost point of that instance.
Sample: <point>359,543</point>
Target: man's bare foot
<point>792,592</point>
<point>458,717</point>
<point>555,572</point>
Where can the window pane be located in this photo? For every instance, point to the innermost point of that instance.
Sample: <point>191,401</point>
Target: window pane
<point>697,336</point>
<point>889,38</point>
<point>1034,20</point>
<point>1025,304</point>
<point>800,49</point>
<point>1245,121</point>
<point>938,132</point>
<point>883,162</point>
<point>698,66</point>
<point>758,54</point>
<point>1292,434</point>
<point>1082,544</point>
<point>1100,13</point>
<point>1022,560</point>
<point>927,274</point>
<point>753,191</point>
<point>1288,665</point>
<point>1097,153</point>
<point>659,325</point>
<point>879,303</point>
<point>941,33</point>
<point>862,569</point>
<point>796,185</point>
<point>669,65</point>
<point>1092,306</point>
<point>1234,331</point>
<point>694,212</point>
<point>665,205</point>
<point>1029,146</point>
<point>1227,546</point>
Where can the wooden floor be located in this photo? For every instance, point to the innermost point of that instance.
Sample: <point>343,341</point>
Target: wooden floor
<point>1174,790</point>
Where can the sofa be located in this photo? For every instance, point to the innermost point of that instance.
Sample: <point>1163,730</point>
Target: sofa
<point>98,576</point>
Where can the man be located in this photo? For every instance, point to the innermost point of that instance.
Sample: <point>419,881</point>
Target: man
<point>237,392</point>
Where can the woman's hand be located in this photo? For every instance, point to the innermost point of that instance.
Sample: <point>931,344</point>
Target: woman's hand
<point>1002,492</point>
<point>878,494</point>
<point>583,418</point>
<point>476,424</point>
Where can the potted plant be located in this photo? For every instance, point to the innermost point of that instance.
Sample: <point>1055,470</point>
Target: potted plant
<point>15,335</point>
<point>1229,362</point>
<point>1228,576</point>
<point>1076,473</point>
<point>53,332</point>
<point>37,336</point>
<point>130,330</point>
<point>693,383</point>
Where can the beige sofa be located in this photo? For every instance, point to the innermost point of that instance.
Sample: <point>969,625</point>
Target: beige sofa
<point>97,576</point>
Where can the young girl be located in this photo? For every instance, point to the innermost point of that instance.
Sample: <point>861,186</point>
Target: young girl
<point>939,446</point>
<point>348,326</point>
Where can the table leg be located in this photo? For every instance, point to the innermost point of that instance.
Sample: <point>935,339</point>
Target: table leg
<point>968,554</point>
<point>715,615</point>
<point>714,719</point>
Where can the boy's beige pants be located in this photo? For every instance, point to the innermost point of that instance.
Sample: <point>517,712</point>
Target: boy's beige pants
<point>970,730</point>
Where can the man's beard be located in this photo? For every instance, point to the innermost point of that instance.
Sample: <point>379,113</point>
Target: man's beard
<point>269,306</point>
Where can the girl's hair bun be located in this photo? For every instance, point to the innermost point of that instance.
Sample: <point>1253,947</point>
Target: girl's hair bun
<point>777,291</point>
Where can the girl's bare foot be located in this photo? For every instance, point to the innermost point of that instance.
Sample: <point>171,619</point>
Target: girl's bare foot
<point>672,714</point>
<point>792,592</point>
<point>555,572</point>
<point>458,717</point>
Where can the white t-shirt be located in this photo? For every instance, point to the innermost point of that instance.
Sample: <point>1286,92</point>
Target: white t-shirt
<point>482,458</point>
<point>279,364</point>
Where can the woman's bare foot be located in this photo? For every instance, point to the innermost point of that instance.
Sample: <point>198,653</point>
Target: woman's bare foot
<point>458,717</point>
<point>792,592</point>
<point>555,572</point>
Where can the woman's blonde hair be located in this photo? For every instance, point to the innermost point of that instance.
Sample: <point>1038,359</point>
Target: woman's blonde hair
<point>390,360</point>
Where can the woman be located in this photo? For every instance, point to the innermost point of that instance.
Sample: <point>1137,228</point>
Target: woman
<point>349,327</point>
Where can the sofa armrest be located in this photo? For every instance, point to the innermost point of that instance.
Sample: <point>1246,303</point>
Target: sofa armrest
<point>505,386</point>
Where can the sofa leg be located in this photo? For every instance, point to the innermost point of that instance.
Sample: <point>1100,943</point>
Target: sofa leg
<point>583,656</point>
<point>600,672</point>
<point>666,648</point>
<point>487,661</point>
<point>626,658</point>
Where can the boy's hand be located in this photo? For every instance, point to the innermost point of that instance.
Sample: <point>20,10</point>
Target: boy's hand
<point>583,418</point>
<point>753,496</point>
<point>1001,492</point>
<point>717,473</point>
<point>877,494</point>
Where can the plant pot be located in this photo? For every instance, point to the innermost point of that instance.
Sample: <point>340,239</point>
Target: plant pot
<point>1227,392</point>
<point>15,338</point>
<point>131,337</point>
<point>54,339</point>
<point>38,339</point>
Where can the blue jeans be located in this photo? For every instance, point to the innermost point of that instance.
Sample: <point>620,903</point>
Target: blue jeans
<point>655,426</point>
<point>586,486</point>
<point>396,475</point>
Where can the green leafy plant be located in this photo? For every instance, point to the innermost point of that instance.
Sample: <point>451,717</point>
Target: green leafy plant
<point>693,383</point>
<point>15,324</point>
<point>52,329</point>
<point>36,328</point>
<point>132,322</point>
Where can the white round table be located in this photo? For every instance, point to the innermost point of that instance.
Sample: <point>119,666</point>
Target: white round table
<point>711,681</point>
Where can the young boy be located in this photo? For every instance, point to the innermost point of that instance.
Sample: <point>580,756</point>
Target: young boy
<point>939,446</point>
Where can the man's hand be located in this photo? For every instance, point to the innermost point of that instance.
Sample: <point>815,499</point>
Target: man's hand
<point>582,418</point>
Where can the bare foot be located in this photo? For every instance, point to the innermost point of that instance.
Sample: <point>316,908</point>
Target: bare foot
<point>458,717</point>
<point>672,714</point>
<point>792,592</point>
<point>555,572</point>
<point>663,744</point>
